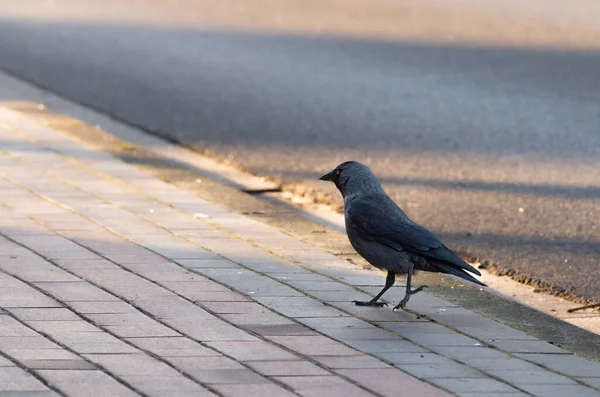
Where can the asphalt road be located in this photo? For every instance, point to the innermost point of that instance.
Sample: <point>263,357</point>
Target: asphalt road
<point>482,120</point>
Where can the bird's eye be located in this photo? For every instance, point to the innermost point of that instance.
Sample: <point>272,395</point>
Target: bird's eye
<point>338,172</point>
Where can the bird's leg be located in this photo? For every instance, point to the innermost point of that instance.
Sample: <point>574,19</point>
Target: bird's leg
<point>389,281</point>
<point>409,292</point>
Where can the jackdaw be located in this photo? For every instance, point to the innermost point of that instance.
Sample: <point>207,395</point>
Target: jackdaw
<point>386,237</point>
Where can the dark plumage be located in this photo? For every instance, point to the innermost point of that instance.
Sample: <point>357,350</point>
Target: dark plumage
<point>386,237</point>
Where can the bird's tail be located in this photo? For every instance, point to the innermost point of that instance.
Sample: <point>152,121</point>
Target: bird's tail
<point>449,269</point>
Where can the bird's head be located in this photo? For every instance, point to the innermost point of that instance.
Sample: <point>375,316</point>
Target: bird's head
<point>353,177</point>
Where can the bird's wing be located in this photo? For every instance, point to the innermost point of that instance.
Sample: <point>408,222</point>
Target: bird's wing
<point>377,217</point>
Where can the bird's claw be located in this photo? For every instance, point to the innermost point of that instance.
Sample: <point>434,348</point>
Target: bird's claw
<point>376,304</point>
<point>404,301</point>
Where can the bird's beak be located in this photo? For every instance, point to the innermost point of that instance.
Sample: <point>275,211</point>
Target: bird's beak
<point>329,177</point>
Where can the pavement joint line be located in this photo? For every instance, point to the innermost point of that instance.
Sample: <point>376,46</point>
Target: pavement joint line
<point>63,346</point>
<point>292,287</point>
<point>143,311</point>
<point>274,310</point>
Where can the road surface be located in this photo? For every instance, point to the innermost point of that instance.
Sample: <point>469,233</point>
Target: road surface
<point>482,119</point>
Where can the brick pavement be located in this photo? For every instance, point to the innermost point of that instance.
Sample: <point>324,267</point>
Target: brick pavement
<point>115,283</point>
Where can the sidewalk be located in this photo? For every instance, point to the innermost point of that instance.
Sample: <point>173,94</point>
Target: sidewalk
<point>114,283</point>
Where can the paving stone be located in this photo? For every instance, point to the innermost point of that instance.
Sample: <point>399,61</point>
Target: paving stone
<point>137,364</point>
<point>148,258</point>
<point>319,386</point>
<point>419,330</point>
<point>560,390</point>
<point>567,364</point>
<point>235,307</point>
<point>18,294</point>
<point>359,361</point>
<point>390,382</point>
<point>76,364</point>
<point>198,365</point>
<point>11,327</point>
<point>220,263</point>
<point>140,331</point>
<point>237,274</point>
<point>208,330</point>
<point>363,280</point>
<point>102,347</point>
<point>503,363</point>
<point>25,342</point>
<point>264,265</point>
<point>538,377</point>
<point>385,346</point>
<point>326,324</point>
<point>300,276</point>
<point>172,307</point>
<point>379,315</point>
<point>161,386</point>
<point>41,273</point>
<point>209,296</point>
<point>29,393</point>
<point>527,346</point>
<point>287,368</point>
<point>494,331</point>
<point>317,285</point>
<point>314,345</point>
<point>132,317</point>
<point>77,291</point>
<point>349,334</point>
<point>102,307</point>
<point>262,390</point>
<point>280,330</point>
<point>274,290</point>
<point>308,311</point>
<point>79,383</point>
<point>448,369</point>
<point>173,347</point>
<point>276,302</point>
<point>265,317</point>
<point>26,354</point>
<point>252,350</point>
<point>45,314</point>
<point>51,327</point>
<point>412,358</point>
<point>237,376</point>
<point>194,290</point>
<point>16,379</point>
<point>479,385</point>
<point>341,296</point>
<point>469,354</point>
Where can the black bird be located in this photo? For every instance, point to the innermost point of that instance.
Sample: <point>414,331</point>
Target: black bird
<point>386,237</point>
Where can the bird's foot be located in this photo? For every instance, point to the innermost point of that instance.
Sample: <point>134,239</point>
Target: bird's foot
<point>404,301</point>
<point>369,303</point>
